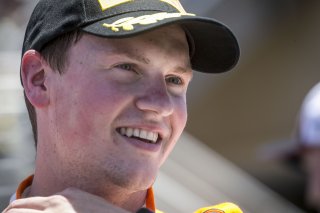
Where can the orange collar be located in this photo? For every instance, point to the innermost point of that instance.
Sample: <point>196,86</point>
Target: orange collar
<point>150,204</point>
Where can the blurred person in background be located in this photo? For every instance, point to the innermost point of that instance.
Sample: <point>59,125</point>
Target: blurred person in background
<point>11,23</point>
<point>7,7</point>
<point>303,152</point>
<point>308,139</point>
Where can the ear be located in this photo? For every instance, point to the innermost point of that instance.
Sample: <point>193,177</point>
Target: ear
<point>33,78</point>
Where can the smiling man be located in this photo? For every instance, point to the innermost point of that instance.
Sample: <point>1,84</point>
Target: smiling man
<point>105,84</point>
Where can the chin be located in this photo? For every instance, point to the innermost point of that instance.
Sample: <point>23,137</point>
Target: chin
<point>143,181</point>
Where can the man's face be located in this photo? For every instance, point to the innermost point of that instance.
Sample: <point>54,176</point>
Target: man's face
<point>119,108</point>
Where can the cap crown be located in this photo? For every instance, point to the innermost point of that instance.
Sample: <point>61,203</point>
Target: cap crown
<point>49,21</point>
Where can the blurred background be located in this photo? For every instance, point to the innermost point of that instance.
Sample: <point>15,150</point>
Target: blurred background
<point>232,116</point>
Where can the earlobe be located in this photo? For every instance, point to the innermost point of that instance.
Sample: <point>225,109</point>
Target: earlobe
<point>33,78</point>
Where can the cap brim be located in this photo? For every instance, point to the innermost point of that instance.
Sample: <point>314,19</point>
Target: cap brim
<point>216,49</point>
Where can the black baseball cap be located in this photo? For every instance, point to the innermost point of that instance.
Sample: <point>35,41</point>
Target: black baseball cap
<point>214,48</point>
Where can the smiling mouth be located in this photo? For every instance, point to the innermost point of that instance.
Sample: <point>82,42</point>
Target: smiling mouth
<point>140,134</point>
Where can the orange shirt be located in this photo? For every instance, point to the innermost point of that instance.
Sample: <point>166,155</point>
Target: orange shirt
<point>150,203</point>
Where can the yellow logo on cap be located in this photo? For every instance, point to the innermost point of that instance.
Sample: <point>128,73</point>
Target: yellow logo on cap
<point>107,4</point>
<point>176,4</point>
<point>128,23</point>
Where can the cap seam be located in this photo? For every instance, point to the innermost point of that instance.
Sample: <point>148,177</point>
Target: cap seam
<point>84,10</point>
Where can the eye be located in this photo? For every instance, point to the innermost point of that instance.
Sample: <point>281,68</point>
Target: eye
<point>174,80</point>
<point>128,67</point>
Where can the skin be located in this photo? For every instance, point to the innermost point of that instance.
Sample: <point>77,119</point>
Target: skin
<point>311,159</point>
<point>82,161</point>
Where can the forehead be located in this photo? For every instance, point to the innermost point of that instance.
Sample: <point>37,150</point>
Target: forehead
<point>170,41</point>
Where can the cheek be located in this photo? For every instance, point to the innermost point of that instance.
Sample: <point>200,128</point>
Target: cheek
<point>178,123</point>
<point>85,112</point>
<point>181,115</point>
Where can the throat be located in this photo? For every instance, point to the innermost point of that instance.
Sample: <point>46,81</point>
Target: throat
<point>131,202</point>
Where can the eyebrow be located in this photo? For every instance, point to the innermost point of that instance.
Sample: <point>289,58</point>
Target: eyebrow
<point>186,68</point>
<point>183,69</point>
<point>130,54</point>
<point>136,57</point>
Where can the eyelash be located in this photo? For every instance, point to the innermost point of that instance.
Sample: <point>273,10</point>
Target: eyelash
<point>172,77</point>
<point>128,67</point>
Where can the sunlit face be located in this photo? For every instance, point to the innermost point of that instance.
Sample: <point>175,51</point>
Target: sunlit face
<point>312,162</point>
<point>119,108</point>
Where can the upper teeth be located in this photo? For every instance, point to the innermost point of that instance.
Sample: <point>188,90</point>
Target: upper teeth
<point>144,134</point>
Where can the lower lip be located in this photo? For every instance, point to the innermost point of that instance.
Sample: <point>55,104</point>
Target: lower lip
<point>151,147</point>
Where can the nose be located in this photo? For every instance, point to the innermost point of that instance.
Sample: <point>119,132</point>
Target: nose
<point>155,98</point>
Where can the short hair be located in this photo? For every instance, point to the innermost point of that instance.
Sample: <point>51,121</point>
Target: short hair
<point>55,53</point>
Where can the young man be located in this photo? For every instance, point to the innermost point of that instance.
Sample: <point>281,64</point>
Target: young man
<point>105,83</point>
<point>303,151</point>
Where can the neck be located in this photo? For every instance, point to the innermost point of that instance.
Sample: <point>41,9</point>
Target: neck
<point>43,185</point>
<point>54,174</point>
